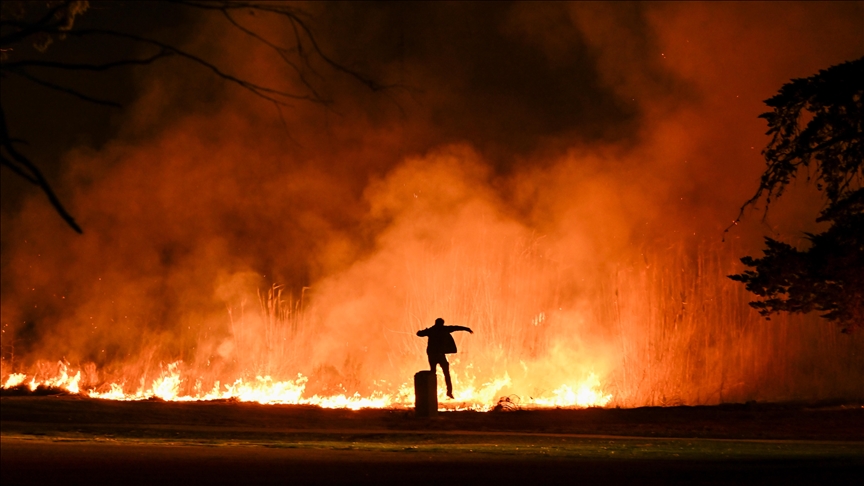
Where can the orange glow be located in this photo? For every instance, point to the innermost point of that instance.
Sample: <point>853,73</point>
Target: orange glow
<point>267,391</point>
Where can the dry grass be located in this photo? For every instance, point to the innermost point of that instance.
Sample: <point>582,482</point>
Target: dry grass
<point>659,327</point>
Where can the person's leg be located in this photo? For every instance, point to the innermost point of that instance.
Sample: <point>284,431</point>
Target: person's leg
<point>445,367</point>
<point>432,362</point>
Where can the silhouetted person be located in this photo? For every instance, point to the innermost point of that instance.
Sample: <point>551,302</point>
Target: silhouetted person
<point>440,344</point>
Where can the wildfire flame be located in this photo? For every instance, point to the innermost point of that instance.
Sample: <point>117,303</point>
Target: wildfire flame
<point>266,390</point>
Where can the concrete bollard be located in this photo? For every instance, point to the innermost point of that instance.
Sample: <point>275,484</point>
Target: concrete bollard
<point>425,394</point>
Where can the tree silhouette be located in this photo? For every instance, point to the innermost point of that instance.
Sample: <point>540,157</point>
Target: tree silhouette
<point>816,126</point>
<point>28,26</point>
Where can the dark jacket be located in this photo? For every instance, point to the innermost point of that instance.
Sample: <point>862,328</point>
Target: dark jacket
<point>440,340</point>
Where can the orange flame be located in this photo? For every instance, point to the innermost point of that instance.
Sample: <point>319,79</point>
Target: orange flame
<point>266,390</point>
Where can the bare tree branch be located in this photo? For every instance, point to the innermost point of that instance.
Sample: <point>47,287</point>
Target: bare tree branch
<point>283,53</point>
<point>66,90</point>
<point>370,83</point>
<point>17,170</point>
<point>257,89</point>
<point>28,29</point>
<point>296,20</point>
<point>58,21</point>
<point>88,67</point>
<point>35,175</point>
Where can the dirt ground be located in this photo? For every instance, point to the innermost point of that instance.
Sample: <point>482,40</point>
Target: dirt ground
<point>74,440</point>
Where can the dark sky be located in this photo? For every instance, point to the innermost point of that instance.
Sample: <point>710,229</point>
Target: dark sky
<point>505,92</point>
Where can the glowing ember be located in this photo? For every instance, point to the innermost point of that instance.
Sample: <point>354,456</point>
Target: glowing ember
<point>266,390</point>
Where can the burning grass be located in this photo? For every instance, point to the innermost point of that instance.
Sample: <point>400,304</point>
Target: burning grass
<point>666,331</point>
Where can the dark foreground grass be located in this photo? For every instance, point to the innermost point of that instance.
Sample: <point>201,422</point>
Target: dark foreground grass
<point>768,431</point>
<point>73,440</point>
<point>790,421</point>
<point>419,459</point>
<point>512,444</point>
<point>507,446</point>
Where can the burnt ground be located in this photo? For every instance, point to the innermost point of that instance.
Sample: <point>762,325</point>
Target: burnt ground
<point>74,440</point>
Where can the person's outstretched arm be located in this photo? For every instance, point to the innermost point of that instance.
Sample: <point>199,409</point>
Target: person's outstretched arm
<point>423,332</point>
<point>461,328</point>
